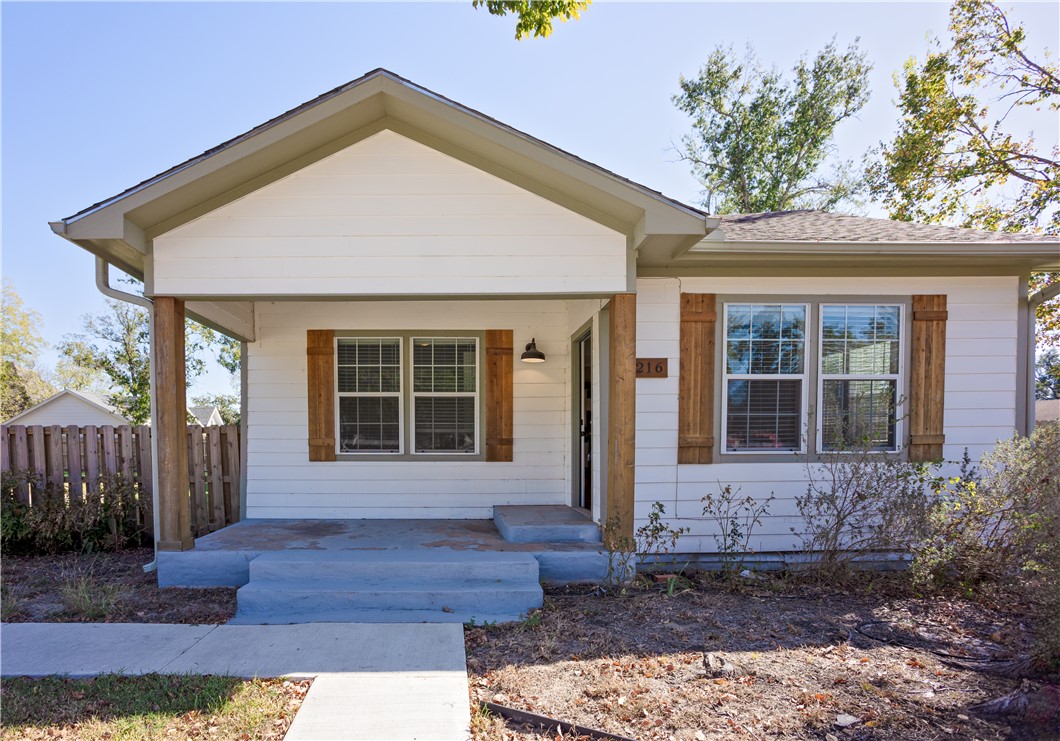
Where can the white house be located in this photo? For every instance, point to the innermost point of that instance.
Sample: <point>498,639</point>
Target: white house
<point>390,258</point>
<point>69,407</point>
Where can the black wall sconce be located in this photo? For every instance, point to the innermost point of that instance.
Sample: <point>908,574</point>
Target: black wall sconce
<point>532,354</point>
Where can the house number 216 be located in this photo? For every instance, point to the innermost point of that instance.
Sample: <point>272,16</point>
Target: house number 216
<point>652,368</point>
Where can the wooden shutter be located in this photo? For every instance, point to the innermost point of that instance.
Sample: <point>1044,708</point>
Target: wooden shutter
<point>320,377</point>
<point>499,394</point>
<point>695,400</point>
<point>927,378</point>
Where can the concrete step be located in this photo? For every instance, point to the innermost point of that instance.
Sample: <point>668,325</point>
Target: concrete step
<point>395,566</point>
<point>475,617</point>
<point>440,599</point>
<point>544,524</point>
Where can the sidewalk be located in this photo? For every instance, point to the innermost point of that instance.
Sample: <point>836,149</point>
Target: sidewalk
<point>373,681</point>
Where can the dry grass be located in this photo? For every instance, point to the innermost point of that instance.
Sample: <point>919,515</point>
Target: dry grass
<point>149,707</point>
<point>634,665</point>
<point>102,587</point>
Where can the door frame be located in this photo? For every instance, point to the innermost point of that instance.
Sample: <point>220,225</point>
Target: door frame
<point>577,389</point>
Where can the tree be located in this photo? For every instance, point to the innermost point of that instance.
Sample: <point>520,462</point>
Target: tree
<point>1047,375</point>
<point>21,385</point>
<point>955,157</point>
<point>535,16</point>
<point>117,344</point>
<point>763,143</point>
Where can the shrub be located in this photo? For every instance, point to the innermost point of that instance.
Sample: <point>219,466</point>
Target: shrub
<point>112,516</point>
<point>621,551</point>
<point>736,519</point>
<point>999,527</point>
<point>860,502</point>
<point>655,539</point>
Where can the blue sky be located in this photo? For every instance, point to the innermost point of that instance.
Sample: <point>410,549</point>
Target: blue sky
<point>99,96</point>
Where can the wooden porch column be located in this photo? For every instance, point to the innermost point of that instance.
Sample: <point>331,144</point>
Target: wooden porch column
<point>171,424</point>
<point>622,409</point>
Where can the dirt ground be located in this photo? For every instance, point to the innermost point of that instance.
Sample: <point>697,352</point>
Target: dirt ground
<point>104,588</point>
<point>806,663</point>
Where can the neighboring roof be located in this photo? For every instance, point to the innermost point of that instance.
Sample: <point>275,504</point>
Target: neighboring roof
<point>86,396</point>
<point>119,229</point>
<point>823,226</point>
<point>1047,410</point>
<point>206,416</point>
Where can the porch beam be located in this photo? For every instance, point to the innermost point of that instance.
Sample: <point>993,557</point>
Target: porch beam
<point>622,410</point>
<point>170,428</point>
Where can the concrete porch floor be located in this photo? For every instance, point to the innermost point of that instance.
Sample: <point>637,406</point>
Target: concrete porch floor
<point>222,558</point>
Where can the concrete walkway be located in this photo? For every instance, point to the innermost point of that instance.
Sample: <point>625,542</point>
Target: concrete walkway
<point>373,681</point>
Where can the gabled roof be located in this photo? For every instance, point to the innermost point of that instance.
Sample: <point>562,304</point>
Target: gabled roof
<point>206,415</point>
<point>120,228</point>
<point>87,397</point>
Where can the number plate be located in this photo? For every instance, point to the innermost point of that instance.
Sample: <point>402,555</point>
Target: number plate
<point>652,368</point>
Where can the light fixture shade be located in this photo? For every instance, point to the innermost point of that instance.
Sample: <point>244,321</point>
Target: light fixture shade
<point>532,354</point>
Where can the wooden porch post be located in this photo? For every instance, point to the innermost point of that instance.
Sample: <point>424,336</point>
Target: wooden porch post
<point>622,410</point>
<point>171,424</point>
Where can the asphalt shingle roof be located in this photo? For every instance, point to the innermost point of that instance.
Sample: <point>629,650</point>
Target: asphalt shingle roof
<point>822,226</point>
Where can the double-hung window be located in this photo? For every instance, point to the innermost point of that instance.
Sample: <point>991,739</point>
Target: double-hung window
<point>845,357</point>
<point>860,375</point>
<point>765,376</point>
<point>408,395</point>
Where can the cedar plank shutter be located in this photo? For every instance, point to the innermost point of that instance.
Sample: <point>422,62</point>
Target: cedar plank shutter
<point>320,377</point>
<point>499,394</point>
<point>927,378</point>
<point>695,399</point>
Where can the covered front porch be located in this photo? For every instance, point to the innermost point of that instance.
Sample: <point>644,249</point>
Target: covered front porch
<point>320,570</point>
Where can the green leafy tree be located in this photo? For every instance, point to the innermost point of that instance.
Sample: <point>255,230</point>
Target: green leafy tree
<point>535,16</point>
<point>117,344</point>
<point>1047,375</point>
<point>956,157</point>
<point>21,385</point>
<point>760,142</point>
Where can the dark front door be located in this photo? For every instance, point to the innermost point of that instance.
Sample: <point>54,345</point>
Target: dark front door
<point>584,391</point>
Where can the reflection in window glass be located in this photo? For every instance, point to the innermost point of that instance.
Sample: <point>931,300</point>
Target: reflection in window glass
<point>860,360</point>
<point>765,351</point>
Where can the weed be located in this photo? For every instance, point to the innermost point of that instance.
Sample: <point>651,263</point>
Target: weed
<point>621,551</point>
<point>736,519</point>
<point>656,539</point>
<point>531,621</point>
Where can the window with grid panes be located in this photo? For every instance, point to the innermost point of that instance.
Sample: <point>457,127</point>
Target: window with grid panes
<point>408,395</point>
<point>765,376</point>
<point>444,394</point>
<point>859,376</point>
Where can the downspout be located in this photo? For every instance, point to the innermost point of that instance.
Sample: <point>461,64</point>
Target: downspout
<point>103,284</point>
<point>1048,293</point>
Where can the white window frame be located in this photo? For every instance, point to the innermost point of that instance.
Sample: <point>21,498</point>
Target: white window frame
<point>898,378</point>
<point>413,395</point>
<point>400,394</point>
<point>726,377</point>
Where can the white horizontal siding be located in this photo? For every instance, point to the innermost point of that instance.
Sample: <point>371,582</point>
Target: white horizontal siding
<point>981,337</point>
<point>70,410</point>
<point>281,482</point>
<point>389,216</point>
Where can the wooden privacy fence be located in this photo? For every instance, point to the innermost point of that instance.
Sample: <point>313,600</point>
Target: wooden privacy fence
<point>73,459</point>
